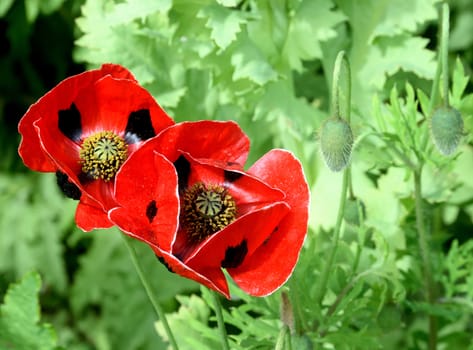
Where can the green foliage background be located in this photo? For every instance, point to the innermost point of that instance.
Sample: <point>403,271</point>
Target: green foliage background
<point>267,65</point>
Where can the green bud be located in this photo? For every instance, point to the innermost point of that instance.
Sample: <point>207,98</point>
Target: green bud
<point>447,127</point>
<point>336,142</point>
<point>353,208</point>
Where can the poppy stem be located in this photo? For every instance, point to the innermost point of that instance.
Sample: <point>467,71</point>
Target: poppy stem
<point>220,321</point>
<point>442,65</point>
<point>336,237</point>
<point>157,307</point>
<point>281,338</point>
<point>425,254</point>
<point>341,87</point>
<point>444,51</point>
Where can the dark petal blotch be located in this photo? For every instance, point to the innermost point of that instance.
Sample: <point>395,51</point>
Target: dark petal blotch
<point>139,126</point>
<point>151,211</point>
<point>68,188</point>
<point>234,256</point>
<point>183,169</point>
<point>231,176</point>
<point>85,178</point>
<point>69,123</point>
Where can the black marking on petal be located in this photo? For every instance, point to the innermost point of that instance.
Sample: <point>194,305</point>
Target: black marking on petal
<point>161,260</point>
<point>69,122</point>
<point>68,188</point>
<point>139,126</point>
<point>231,176</point>
<point>151,211</point>
<point>85,178</point>
<point>232,163</point>
<point>234,256</point>
<point>183,169</point>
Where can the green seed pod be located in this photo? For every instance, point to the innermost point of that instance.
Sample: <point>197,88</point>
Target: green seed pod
<point>336,142</point>
<point>446,125</point>
<point>353,207</point>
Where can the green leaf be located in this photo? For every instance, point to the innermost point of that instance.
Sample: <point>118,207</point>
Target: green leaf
<point>462,27</point>
<point>391,54</point>
<point>34,7</point>
<point>310,22</point>
<point>5,6</point>
<point>224,23</point>
<point>251,64</point>
<point>228,3</point>
<point>32,231</point>
<point>130,10</point>
<point>107,278</point>
<point>402,16</point>
<point>459,82</point>
<point>20,316</point>
<point>190,323</point>
<point>381,49</point>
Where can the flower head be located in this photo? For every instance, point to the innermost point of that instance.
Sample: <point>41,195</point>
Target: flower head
<point>84,129</point>
<point>193,203</point>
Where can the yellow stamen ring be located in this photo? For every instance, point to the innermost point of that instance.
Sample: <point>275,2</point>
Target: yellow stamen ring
<point>206,210</point>
<point>102,154</point>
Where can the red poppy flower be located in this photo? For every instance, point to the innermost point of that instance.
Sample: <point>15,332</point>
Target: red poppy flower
<point>84,129</point>
<point>251,223</point>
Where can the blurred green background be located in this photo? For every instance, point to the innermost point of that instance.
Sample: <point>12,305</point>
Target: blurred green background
<point>266,66</point>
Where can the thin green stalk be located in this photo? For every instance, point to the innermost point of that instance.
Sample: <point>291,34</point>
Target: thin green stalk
<point>425,254</point>
<point>351,193</point>
<point>157,307</point>
<point>300,322</point>
<point>444,52</point>
<point>220,322</point>
<point>442,65</point>
<point>341,70</point>
<point>434,94</point>
<point>281,338</point>
<point>328,265</point>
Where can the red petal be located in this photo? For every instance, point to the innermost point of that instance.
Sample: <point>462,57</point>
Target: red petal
<point>105,105</point>
<point>60,97</point>
<point>62,152</point>
<point>249,194</point>
<point>272,264</point>
<point>146,190</point>
<point>108,104</point>
<point>253,229</point>
<point>216,140</point>
<point>90,217</point>
<point>212,278</point>
<point>245,188</point>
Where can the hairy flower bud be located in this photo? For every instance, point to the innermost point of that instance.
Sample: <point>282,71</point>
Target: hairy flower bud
<point>336,142</point>
<point>447,128</point>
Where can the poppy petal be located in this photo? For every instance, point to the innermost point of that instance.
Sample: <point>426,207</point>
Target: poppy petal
<point>230,247</point>
<point>273,262</point>
<point>89,216</point>
<point>245,188</point>
<point>62,151</point>
<point>146,192</point>
<point>59,98</point>
<point>216,140</point>
<point>121,106</point>
<point>249,193</point>
<point>211,278</point>
<point>109,104</point>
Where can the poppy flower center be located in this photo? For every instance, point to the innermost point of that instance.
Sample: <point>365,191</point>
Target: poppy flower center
<point>102,154</point>
<point>206,210</point>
